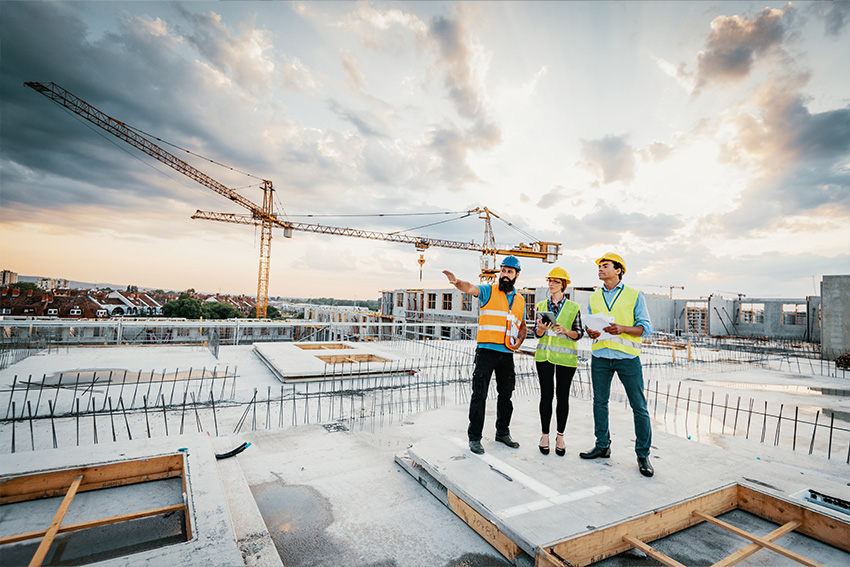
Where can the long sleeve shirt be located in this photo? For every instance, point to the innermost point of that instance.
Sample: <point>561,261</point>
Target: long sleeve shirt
<point>556,308</point>
<point>641,315</point>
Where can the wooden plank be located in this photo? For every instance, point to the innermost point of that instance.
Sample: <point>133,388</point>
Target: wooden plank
<point>652,552</point>
<point>94,523</point>
<point>779,511</point>
<point>48,484</point>
<point>484,527</point>
<point>745,552</point>
<point>756,539</point>
<point>47,541</point>
<point>601,543</point>
<point>545,558</point>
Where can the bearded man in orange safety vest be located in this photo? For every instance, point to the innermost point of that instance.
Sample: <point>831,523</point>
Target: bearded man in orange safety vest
<point>501,330</point>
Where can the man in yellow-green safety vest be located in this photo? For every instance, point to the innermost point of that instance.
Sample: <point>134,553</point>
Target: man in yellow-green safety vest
<point>501,330</point>
<point>618,350</point>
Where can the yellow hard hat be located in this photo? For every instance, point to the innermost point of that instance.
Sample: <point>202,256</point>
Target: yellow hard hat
<point>613,258</point>
<point>560,274</point>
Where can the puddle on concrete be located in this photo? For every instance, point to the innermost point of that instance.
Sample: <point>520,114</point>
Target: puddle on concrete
<point>787,388</point>
<point>297,517</point>
<point>478,560</point>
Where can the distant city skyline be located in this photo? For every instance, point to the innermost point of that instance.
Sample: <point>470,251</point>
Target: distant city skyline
<point>708,143</point>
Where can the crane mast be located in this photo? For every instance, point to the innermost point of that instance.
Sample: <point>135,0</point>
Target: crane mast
<point>265,217</point>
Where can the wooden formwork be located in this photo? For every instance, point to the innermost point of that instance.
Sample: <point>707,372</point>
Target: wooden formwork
<point>594,546</point>
<point>69,482</point>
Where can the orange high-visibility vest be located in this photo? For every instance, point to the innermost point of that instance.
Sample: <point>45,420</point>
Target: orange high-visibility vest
<point>498,321</point>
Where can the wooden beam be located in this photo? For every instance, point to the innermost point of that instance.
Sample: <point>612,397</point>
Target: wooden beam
<point>48,484</point>
<point>759,540</point>
<point>601,543</point>
<point>745,552</point>
<point>484,527</point>
<point>47,541</point>
<point>652,552</point>
<point>813,524</point>
<point>94,523</point>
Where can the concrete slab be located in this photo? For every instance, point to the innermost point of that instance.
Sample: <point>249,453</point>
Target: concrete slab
<point>537,500</point>
<point>212,542</point>
<point>304,361</point>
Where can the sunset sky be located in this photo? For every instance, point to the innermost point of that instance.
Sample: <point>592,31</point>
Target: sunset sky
<point>708,143</point>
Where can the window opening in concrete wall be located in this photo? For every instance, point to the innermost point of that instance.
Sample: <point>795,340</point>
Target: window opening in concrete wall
<point>752,313</point>
<point>429,331</point>
<point>529,306</point>
<point>446,332</point>
<point>432,301</point>
<point>399,300</point>
<point>324,346</point>
<point>447,302</point>
<point>697,316</point>
<point>350,358</point>
<point>793,313</point>
<point>150,495</point>
<point>466,302</point>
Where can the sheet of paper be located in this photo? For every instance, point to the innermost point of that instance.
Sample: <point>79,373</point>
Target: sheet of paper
<point>597,322</point>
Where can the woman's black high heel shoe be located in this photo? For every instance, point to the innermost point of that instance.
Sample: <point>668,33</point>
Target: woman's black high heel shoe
<point>544,449</point>
<point>559,450</point>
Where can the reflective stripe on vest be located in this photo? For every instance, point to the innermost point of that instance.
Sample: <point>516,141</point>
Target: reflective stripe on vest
<point>555,348</point>
<point>493,317</point>
<point>623,312</point>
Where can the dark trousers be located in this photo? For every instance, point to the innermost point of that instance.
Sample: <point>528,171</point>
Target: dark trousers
<point>555,381</point>
<point>488,361</point>
<point>631,375</point>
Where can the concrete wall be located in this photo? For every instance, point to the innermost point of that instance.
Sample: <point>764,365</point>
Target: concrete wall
<point>721,317</point>
<point>773,325</point>
<point>835,316</point>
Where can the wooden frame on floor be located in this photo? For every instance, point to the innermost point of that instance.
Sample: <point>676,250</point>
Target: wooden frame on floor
<point>599,544</point>
<point>69,482</point>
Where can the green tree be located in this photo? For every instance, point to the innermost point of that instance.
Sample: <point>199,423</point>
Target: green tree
<point>132,289</point>
<point>219,310</point>
<point>272,312</point>
<point>23,286</point>
<point>186,306</point>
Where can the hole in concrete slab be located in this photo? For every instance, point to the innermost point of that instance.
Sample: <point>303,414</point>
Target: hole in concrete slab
<point>296,517</point>
<point>323,346</point>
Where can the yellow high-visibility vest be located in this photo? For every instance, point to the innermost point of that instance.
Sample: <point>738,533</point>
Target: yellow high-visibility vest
<point>555,348</point>
<point>497,320</point>
<point>623,311</point>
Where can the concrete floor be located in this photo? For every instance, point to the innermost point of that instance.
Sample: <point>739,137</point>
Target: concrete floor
<point>331,493</point>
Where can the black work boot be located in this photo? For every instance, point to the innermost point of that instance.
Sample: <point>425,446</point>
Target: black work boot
<point>506,439</point>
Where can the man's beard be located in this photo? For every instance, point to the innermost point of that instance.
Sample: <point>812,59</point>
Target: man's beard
<point>506,284</point>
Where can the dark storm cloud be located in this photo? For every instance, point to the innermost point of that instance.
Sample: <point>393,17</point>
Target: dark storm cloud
<point>611,157</point>
<point>607,225</point>
<point>56,153</point>
<point>736,42</point>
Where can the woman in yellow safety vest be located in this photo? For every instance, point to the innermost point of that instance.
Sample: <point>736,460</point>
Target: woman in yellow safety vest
<point>556,356</point>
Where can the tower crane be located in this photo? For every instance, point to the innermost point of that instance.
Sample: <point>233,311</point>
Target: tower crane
<point>264,216</point>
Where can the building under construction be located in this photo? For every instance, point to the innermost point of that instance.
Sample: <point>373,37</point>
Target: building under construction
<point>340,440</point>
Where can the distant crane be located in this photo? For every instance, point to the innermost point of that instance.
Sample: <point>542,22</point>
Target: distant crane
<point>265,217</point>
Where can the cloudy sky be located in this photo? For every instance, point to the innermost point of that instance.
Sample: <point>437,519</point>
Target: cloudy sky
<point>708,143</point>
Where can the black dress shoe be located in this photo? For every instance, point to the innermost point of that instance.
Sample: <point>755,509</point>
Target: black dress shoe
<point>506,439</point>
<point>560,451</point>
<point>596,453</point>
<point>475,447</point>
<point>544,450</point>
<point>644,466</point>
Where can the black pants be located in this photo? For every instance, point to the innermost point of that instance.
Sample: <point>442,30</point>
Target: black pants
<point>555,380</point>
<point>486,362</point>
